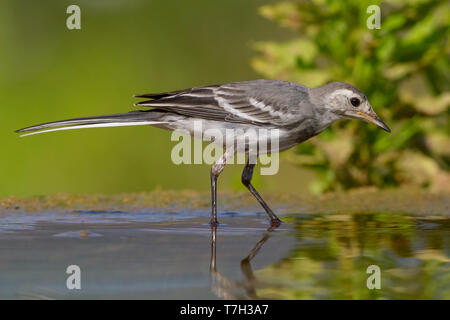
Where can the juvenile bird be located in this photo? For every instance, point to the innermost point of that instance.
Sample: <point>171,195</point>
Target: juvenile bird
<point>296,111</point>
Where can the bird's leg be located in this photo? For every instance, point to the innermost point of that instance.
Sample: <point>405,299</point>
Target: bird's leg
<point>246,266</point>
<point>216,169</point>
<point>247,175</point>
<point>212,264</point>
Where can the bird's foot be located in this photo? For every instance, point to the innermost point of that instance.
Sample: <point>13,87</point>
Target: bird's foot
<point>275,223</point>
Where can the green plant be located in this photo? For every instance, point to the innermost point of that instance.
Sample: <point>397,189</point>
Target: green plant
<point>403,68</point>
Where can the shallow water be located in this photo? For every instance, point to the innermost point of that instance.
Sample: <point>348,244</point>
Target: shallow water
<point>158,255</point>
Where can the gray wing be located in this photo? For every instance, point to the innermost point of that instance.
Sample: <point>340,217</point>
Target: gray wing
<point>257,102</point>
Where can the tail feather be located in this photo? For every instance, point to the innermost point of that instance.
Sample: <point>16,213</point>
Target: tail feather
<point>133,118</point>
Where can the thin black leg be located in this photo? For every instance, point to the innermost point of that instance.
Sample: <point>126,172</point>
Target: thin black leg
<point>213,199</point>
<point>247,175</point>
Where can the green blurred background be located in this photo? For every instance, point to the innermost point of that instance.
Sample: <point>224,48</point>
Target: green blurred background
<point>134,46</point>
<point>124,47</point>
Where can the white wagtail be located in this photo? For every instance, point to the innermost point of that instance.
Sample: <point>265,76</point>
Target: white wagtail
<point>297,111</point>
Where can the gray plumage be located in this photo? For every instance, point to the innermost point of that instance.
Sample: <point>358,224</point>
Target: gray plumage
<point>296,111</point>
<point>282,103</point>
<point>267,103</point>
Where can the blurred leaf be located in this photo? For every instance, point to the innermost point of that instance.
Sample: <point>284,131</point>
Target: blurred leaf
<point>284,12</point>
<point>439,143</point>
<point>416,92</point>
<point>338,150</point>
<point>413,167</point>
<point>422,29</point>
<point>393,22</point>
<point>433,105</point>
<point>400,70</point>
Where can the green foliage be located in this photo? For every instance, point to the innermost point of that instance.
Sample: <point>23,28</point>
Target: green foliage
<point>403,68</point>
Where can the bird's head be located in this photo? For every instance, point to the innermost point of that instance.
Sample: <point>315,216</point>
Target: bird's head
<point>347,102</point>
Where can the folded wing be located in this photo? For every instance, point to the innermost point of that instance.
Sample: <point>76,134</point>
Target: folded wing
<point>259,102</point>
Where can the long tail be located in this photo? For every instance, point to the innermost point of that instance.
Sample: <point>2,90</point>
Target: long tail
<point>133,118</point>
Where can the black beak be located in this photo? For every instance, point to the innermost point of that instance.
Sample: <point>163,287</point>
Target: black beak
<point>380,123</point>
<point>373,118</point>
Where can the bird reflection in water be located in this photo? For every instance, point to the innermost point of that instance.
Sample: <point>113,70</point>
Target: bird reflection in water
<point>226,288</point>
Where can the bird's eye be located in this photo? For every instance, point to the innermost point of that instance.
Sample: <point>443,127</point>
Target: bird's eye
<point>355,101</point>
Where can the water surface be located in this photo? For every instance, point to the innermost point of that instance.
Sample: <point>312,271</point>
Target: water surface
<point>176,255</point>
